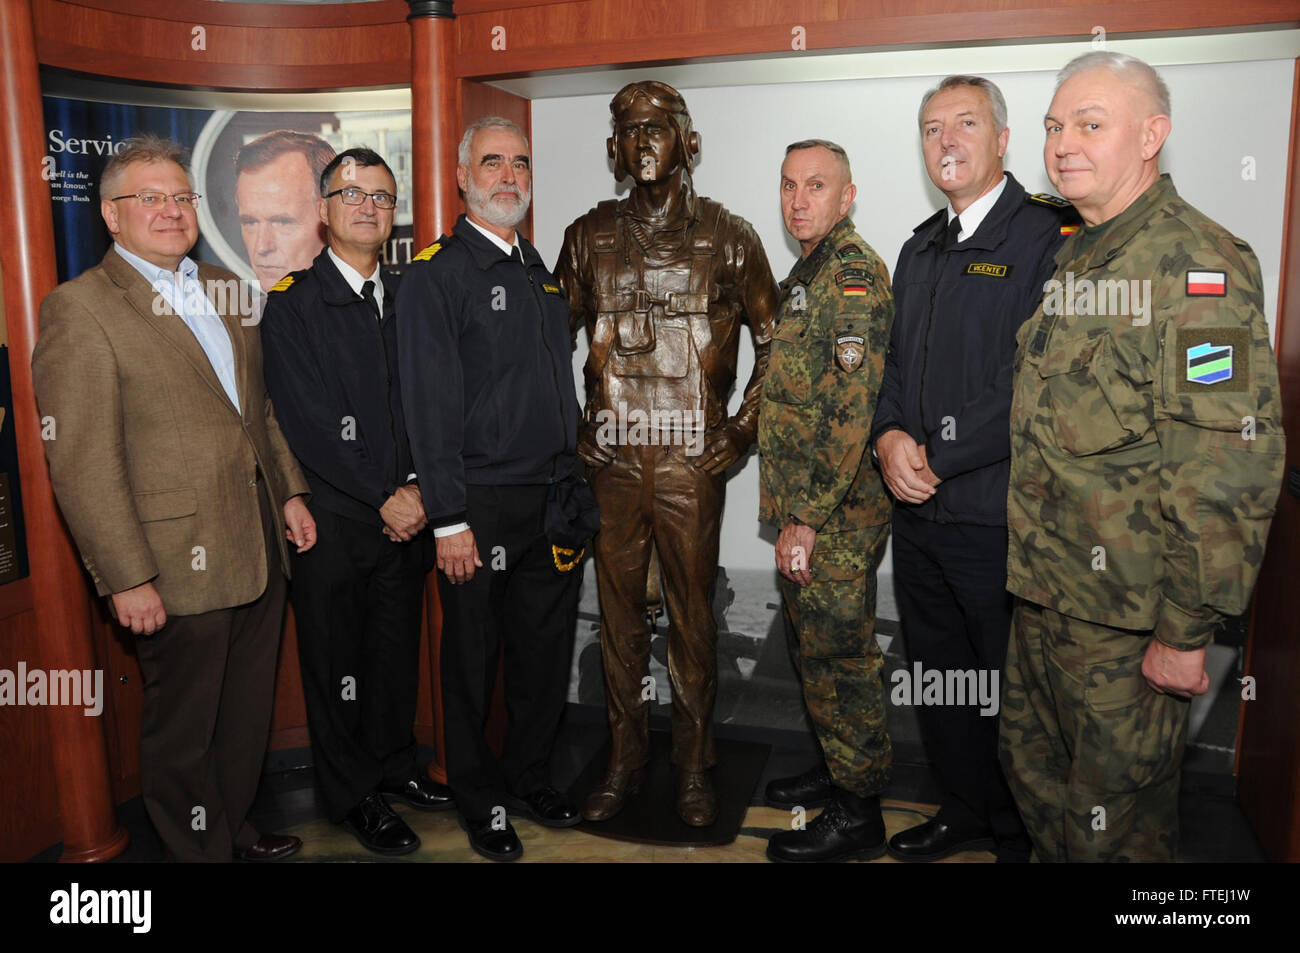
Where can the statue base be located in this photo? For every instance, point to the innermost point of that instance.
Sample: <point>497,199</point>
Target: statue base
<point>650,816</point>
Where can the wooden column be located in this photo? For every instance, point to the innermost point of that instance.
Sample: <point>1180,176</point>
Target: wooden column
<point>435,134</point>
<point>78,747</point>
<point>435,120</point>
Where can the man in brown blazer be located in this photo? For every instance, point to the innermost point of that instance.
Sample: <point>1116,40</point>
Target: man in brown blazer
<point>179,490</point>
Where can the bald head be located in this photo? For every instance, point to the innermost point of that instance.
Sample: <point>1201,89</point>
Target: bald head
<point>1105,129</point>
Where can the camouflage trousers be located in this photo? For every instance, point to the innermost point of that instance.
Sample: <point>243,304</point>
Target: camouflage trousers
<point>1092,754</point>
<point>831,633</point>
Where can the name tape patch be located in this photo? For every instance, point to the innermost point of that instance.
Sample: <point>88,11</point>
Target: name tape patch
<point>988,268</point>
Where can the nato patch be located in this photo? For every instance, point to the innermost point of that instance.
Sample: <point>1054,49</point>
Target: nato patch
<point>1213,359</point>
<point>849,351</point>
<point>988,268</point>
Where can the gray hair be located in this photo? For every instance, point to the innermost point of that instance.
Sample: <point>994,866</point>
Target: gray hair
<point>836,149</point>
<point>1130,69</point>
<point>997,103</point>
<point>487,122</point>
<point>145,147</point>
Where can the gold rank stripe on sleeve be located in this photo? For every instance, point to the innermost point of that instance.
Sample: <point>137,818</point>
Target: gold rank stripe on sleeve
<point>283,284</point>
<point>427,253</point>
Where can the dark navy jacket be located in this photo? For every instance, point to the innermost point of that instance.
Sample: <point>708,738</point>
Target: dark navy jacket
<point>331,371</point>
<point>487,377</point>
<point>953,344</point>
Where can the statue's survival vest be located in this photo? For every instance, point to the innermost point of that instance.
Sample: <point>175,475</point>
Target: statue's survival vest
<point>652,345</point>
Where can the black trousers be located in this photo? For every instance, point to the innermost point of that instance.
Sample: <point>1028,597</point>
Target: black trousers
<point>209,683</point>
<point>950,579</point>
<point>519,600</point>
<point>357,598</point>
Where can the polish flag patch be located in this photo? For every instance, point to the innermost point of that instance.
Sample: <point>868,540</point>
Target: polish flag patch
<point>1211,283</point>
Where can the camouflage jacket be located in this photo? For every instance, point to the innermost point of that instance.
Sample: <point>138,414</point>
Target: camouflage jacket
<point>1146,430</point>
<point>828,358</point>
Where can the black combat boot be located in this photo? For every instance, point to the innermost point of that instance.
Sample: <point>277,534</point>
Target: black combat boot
<point>813,788</point>
<point>850,828</point>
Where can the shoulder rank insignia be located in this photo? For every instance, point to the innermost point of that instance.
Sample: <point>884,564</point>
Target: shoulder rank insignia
<point>565,558</point>
<point>1046,198</point>
<point>849,251</point>
<point>551,289</point>
<point>1069,229</point>
<point>427,253</point>
<point>1212,284</point>
<point>283,284</point>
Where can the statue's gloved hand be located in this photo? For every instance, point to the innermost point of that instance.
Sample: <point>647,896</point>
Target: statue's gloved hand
<point>591,451</point>
<point>722,448</point>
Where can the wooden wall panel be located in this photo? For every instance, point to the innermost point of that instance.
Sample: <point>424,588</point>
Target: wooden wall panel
<point>567,35</point>
<point>1268,750</point>
<point>293,53</point>
<point>29,820</point>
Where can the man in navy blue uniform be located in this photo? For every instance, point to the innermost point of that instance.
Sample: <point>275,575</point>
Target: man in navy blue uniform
<point>330,345</point>
<point>966,280</point>
<point>492,414</point>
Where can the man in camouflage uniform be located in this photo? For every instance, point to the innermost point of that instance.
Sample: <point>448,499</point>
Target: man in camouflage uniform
<point>663,280</point>
<point>820,490</point>
<point>1146,458</point>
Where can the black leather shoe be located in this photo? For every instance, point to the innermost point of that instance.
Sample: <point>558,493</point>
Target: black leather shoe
<point>491,843</point>
<point>379,828</point>
<point>813,788</point>
<point>935,840</point>
<point>421,792</point>
<point>850,828</point>
<point>272,847</point>
<point>546,806</point>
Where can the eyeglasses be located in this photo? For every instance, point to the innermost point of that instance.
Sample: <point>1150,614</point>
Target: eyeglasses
<point>355,196</point>
<point>188,200</point>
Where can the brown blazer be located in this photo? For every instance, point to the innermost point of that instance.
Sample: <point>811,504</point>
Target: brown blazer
<point>148,456</point>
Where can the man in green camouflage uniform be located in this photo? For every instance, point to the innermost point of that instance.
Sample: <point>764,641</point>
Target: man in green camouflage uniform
<point>1146,460</point>
<point>820,489</point>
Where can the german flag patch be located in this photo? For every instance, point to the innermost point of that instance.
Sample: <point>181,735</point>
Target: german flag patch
<point>1069,229</point>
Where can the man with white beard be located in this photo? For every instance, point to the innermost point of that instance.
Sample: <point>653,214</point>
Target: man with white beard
<point>491,410</point>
